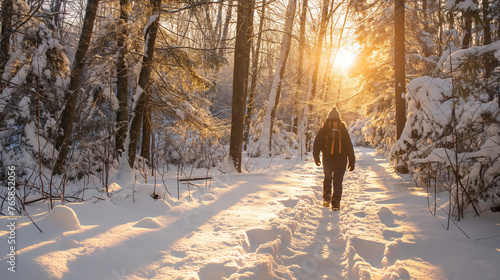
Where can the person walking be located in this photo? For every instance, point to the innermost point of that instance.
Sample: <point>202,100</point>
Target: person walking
<point>334,142</point>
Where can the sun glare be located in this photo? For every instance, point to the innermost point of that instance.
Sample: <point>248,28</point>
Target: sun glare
<point>344,58</point>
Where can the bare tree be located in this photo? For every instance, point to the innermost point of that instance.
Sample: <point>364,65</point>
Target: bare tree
<point>325,18</point>
<point>225,31</point>
<point>254,76</point>
<point>300,75</point>
<point>143,90</point>
<point>68,113</point>
<point>244,32</point>
<point>264,143</point>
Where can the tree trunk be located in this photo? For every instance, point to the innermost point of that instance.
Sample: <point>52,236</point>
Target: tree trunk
<point>319,47</point>
<point>122,81</point>
<point>5,36</point>
<point>468,16</point>
<point>399,66</point>
<point>302,46</point>
<point>467,30</point>
<point>223,39</point>
<point>144,81</point>
<point>68,113</point>
<point>426,50</point>
<point>254,75</point>
<point>265,141</point>
<point>146,129</point>
<point>244,30</point>
<point>441,23</point>
<point>55,9</point>
<point>311,92</point>
<point>488,60</point>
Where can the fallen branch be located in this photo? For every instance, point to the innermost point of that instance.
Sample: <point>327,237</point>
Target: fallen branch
<point>195,179</point>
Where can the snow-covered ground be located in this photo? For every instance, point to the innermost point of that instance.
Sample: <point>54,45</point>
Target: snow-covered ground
<point>268,224</point>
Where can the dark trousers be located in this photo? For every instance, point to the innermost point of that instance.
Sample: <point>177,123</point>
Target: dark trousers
<point>336,174</point>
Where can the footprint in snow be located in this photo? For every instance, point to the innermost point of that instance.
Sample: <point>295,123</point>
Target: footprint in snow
<point>216,271</point>
<point>386,216</point>
<point>360,214</point>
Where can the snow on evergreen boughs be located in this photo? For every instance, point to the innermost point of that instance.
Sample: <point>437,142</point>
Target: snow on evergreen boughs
<point>379,127</point>
<point>283,141</point>
<point>459,57</point>
<point>35,77</point>
<point>452,123</point>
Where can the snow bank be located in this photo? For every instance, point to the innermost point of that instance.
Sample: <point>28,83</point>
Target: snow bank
<point>61,218</point>
<point>148,222</point>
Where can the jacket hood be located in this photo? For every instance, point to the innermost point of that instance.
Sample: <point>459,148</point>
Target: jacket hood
<point>334,114</point>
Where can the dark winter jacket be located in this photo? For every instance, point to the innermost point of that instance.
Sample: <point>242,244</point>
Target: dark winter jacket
<point>347,151</point>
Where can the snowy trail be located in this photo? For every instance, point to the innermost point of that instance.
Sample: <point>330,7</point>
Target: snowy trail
<point>266,225</point>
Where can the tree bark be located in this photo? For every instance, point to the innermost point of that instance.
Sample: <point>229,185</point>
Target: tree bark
<point>5,36</point>
<point>244,30</point>
<point>399,66</point>
<point>223,39</point>
<point>319,47</point>
<point>265,141</point>
<point>55,9</point>
<point>467,30</point>
<point>254,75</point>
<point>468,16</point>
<point>441,23</point>
<point>488,60</point>
<point>311,92</point>
<point>146,129</point>
<point>122,81</point>
<point>302,45</point>
<point>426,50</point>
<point>68,113</point>
<point>144,81</point>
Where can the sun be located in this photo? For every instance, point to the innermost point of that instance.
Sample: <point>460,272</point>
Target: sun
<point>344,59</point>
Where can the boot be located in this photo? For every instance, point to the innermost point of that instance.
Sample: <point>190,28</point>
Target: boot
<point>326,202</point>
<point>327,193</point>
<point>336,203</point>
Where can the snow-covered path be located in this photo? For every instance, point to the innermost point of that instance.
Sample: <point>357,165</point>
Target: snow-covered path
<point>265,225</point>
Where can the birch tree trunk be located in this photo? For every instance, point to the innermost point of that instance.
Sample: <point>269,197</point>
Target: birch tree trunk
<point>264,143</point>
<point>144,82</point>
<point>244,32</point>
<point>68,113</point>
